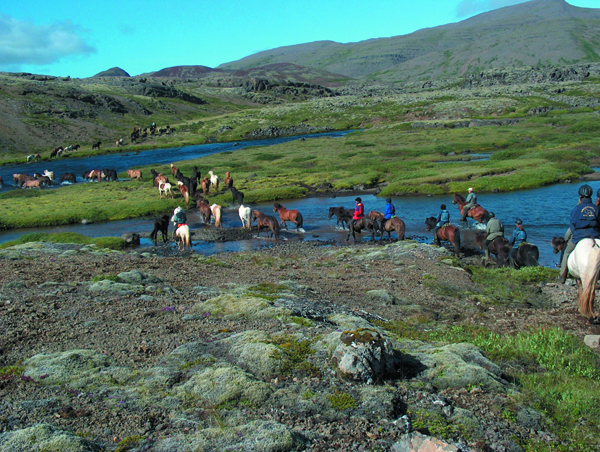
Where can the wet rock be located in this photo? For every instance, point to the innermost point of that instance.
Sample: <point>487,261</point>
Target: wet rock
<point>131,238</point>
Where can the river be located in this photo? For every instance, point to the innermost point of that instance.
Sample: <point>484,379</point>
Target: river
<point>544,211</point>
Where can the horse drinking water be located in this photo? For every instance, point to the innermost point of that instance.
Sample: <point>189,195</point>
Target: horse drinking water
<point>288,215</point>
<point>365,223</point>
<point>449,233</point>
<point>342,214</point>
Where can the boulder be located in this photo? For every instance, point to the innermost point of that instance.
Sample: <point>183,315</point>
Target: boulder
<point>364,355</point>
<point>131,238</point>
<point>417,442</point>
<point>41,437</point>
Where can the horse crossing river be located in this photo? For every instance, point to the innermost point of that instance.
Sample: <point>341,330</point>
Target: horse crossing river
<point>544,211</point>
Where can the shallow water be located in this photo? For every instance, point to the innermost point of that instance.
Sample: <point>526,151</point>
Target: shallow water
<point>544,211</point>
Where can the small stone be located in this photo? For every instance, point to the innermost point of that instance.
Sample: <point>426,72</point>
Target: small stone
<point>592,341</point>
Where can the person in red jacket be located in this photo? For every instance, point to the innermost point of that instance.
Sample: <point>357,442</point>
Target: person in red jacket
<point>359,211</point>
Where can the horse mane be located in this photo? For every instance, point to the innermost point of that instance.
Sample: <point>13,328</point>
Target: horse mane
<point>459,197</point>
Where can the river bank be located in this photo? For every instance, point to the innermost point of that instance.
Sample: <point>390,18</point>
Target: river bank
<point>247,350</point>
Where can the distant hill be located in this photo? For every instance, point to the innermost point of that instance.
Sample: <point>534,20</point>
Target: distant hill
<point>113,72</point>
<point>278,71</point>
<point>537,33</point>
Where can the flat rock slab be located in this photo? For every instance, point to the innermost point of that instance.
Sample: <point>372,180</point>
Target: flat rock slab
<point>592,341</point>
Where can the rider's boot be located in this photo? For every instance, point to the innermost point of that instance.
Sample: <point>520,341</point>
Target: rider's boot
<point>562,277</point>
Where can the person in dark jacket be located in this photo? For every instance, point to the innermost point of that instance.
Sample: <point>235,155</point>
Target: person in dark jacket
<point>583,224</point>
<point>443,219</point>
<point>493,230</point>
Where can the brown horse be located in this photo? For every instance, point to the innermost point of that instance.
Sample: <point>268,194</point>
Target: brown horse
<point>32,183</point>
<point>134,174</point>
<point>449,233</point>
<point>204,209</point>
<point>393,224</point>
<point>184,192</point>
<point>500,247</point>
<point>20,179</point>
<point>174,170</point>
<point>266,220</point>
<point>365,223</point>
<point>478,213</point>
<point>205,184</point>
<point>288,215</point>
<point>228,180</point>
<point>342,214</point>
<point>160,179</point>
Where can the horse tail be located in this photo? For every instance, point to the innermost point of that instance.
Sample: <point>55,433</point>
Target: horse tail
<point>457,242</point>
<point>589,277</point>
<point>299,221</point>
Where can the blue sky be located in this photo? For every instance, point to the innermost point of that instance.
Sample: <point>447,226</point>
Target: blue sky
<point>79,39</point>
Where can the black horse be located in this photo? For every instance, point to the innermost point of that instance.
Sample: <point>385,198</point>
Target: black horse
<point>500,247</point>
<point>185,181</point>
<point>110,174</point>
<point>237,196</point>
<point>195,180</point>
<point>342,214</point>
<point>68,177</point>
<point>365,223</point>
<point>527,255</point>
<point>160,224</point>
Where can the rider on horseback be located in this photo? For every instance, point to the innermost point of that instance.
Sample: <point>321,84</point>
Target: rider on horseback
<point>443,218</point>
<point>519,237</point>
<point>494,229</point>
<point>471,202</point>
<point>584,224</point>
<point>389,212</point>
<point>359,211</point>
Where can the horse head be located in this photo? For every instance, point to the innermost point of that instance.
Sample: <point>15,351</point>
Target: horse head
<point>429,223</point>
<point>458,199</point>
<point>558,243</point>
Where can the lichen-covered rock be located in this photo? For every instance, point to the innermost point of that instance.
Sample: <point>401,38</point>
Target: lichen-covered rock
<point>461,366</point>
<point>107,285</point>
<point>233,306</point>
<point>44,437</point>
<point>78,368</point>
<point>137,277</point>
<point>251,351</point>
<point>364,355</point>
<point>417,442</point>
<point>224,383</point>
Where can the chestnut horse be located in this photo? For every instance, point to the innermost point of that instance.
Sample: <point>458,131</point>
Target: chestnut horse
<point>449,233</point>
<point>292,215</point>
<point>500,247</point>
<point>205,184</point>
<point>393,224</point>
<point>174,170</point>
<point>228,180</point>
<point>478,213</point>
<point>266,220</point>
<point>20,179</point>
<point>204,209</point>
<point>184,192</point>
<point>364,223</point>
<point>134,174</point>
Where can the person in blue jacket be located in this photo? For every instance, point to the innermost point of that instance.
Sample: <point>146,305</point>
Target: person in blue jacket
<point>583,224</point>
<point>443,218</point>
<point>519,236</point>
<point>389,212</point>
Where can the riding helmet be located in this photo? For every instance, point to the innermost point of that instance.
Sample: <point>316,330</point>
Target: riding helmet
<point>518,221</point>
<point>492,214</point>
<point>585,191</point>
<point>358,200</point>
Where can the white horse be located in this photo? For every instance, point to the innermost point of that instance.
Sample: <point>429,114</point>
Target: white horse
<point>216,212</point>
<point>245,213</point>
<point>165,187</point>
<point>214,180</point>
<point>584,266</point>
<point>183,232</point>
<point>50,174</point>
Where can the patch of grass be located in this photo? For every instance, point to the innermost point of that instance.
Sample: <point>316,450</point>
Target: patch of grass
<point>341,400</point>
<point>10,371</point>
<point>128,443</point>
<point>297,353</point>
<point>108,277</point>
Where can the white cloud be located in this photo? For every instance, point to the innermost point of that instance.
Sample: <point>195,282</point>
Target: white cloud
<point>467,8</point>
<point>27,43</point>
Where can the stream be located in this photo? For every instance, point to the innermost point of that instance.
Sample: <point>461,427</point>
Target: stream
<point>544,211</point>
